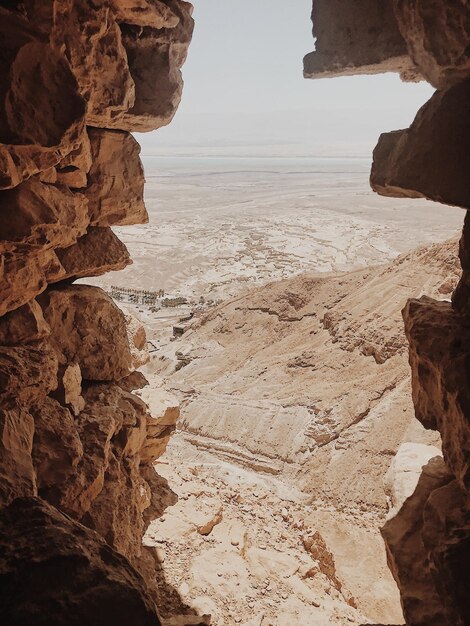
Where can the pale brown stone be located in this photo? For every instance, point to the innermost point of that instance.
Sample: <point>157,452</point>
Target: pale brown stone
<point>89,329</point>
<point>116,179</point>
<point>56,450</point>
<point>27,374</point>
<point>137,342</point>
<point>77,443</point>
<point>72,170</point>
<point>69,388</point>
<point>38,130</point>
<point>92,40</point>
<point>439,352</point>
<point>407,555</point>
<point>437,33</point>
<point>24,325</point>
<point>17,475</point>
<point>116,511</point>
<point>161,423</point>
<point>94,254</point>
<point>446,536</point>
<point>155,58</point>
<point>24,277</point>
<point>39,214</point>
<point>151,13</point>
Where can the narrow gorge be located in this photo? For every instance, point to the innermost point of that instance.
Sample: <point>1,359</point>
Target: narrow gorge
<point>309,385</point>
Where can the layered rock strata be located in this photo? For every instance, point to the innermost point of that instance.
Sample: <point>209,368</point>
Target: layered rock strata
<point>428,539</point>
<point>77,445</point>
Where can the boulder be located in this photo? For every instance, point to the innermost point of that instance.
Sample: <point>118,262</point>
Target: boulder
<point>439,352</point>
<point>94,254</point>
<point>55,571</point>
<point>23,325</point>
<point>89,329</point>
<point>408,557</point>
<point>430,159</point>
<point>358,38</point>
<point>437,33</point>
<point>115,180</point>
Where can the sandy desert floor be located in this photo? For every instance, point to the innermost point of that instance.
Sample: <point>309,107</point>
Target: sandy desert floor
<point>273,435</point>
<point>217,226</point>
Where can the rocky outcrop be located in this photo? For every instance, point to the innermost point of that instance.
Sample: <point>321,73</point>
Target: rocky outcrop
<point>437,34</point>
<point>430,159</point>
<point>358,38</point>
<point>93,584</point>
<point>77,78</point>
<point>427,540</point>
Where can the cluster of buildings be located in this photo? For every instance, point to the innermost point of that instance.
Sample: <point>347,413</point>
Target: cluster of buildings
<point>156,299</point>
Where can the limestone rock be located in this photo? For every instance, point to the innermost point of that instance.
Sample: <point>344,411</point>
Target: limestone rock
<point>446,535</point>
<point>116,512</point>
<point>151,13</point>
<point>439,345</point>
<point>72,170</point>
<point>137,341</point>
<point>163,414</point>
<point>97,252</point>
<point>24,325</point>
<point>408,557</point>
<point>93,45</point>
<point>68,171</point>
<point>209,526</point>
<point>27,374</point>
<point>69,388</point>
<point>44,113</point>
<point>89,329</point>
<point>461,295</point>
<point>188,620</point>
<point>115,180</point>
<point>95,430</point>
<point>24,277</point>
<point>56,449</point>
<point>405,470</point>
<point>358,38</point>
<point>38,214</point>
<point>316,545</point>
<point>155,58</point>
<point>437,33</point>
<point>76,578</point>
<point>431,158</point>
<point>17,475</point>
<point>134,381</point>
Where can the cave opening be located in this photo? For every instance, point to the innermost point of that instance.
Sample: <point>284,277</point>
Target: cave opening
<point>259,331</point>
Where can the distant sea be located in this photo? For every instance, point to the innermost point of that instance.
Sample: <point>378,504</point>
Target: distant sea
<point>162,166</point>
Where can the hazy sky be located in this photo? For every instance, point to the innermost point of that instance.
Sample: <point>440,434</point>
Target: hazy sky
<point>244,89</point>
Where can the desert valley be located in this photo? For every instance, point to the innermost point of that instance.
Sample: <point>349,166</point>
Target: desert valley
<point>234,381</point>
<point>280,354</point>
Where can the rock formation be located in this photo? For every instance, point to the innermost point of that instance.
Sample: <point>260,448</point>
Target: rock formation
<point>77,445</point>
<point>428,539</point>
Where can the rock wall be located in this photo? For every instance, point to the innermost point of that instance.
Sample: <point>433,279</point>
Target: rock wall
<point>76,445</point>
<point>428,539</point>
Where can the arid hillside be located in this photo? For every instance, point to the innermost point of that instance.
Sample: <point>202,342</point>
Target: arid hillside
<point>295,400</point>
<point>308,377</point>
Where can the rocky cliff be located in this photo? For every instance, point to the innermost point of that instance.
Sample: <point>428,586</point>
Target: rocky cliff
<point>428,539</point>
<point>77,76</point>
<point>76,445</point>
